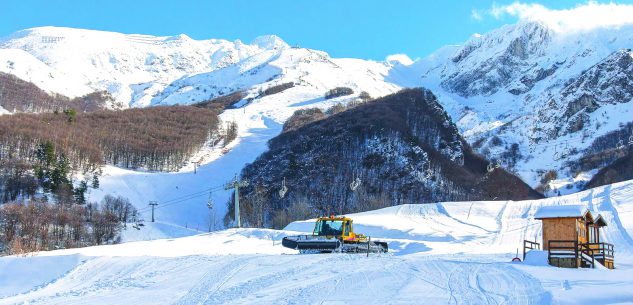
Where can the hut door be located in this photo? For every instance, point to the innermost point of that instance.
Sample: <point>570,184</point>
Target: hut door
<point>593,235</point>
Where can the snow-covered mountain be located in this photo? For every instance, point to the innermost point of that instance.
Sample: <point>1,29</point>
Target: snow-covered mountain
<point>28,68</point>
<point>130,65</point>
<point>550,92</point>
<point>142,70</point>
<point>529,96</point>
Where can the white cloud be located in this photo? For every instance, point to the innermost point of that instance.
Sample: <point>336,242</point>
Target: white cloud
<point>402,59</point>
<point>586,16</point>
<point>476,15</point>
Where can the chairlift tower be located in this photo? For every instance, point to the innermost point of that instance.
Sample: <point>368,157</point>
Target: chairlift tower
<point>236,184</point>
<point>153,204</point>
<point>284,189</point>
<point>355,184</point>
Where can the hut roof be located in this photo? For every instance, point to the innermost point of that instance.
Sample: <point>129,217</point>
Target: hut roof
<point>561,211</point>
<point>599,221</point>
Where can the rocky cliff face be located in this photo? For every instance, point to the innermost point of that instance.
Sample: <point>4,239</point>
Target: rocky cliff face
<point>548,94</point>
<point>487,64</point>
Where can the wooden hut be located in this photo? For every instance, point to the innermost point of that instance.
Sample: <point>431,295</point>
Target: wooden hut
<point>571,236</point>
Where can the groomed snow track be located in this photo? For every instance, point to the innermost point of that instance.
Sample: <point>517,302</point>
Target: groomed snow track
<point>445,253</point>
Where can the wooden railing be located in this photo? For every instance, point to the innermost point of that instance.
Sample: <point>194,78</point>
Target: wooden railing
<point>562,248</point>
<point>530,245</point>
<point>602,250</point>
<point>588,253</point>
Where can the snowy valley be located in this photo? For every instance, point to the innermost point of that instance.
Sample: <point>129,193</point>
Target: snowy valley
<point>447,158</point>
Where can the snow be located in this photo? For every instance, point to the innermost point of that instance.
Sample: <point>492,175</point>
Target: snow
<point>574,211</point>
<point>401,59</point>
<point>258,121</point>
<point>142,70</point>
<point>21,274</point>
<point>156,230</point>
<point>443,253</point>
<point>132,67</point>
<point>28,68</point>
<point>536,258</point>
<point>532,118</point>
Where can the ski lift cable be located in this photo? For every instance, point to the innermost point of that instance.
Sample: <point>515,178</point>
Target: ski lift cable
<point>185,197</point>
<point>210,200</point>
<point>196,194</point>
<point>180,201</point>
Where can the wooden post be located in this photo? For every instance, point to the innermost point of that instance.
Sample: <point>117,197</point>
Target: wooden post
<point>576,252</point>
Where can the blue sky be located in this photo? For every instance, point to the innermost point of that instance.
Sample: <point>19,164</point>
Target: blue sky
<point>369,29</point>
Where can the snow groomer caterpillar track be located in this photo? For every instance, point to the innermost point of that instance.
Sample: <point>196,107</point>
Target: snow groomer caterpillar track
<point>334,234</point>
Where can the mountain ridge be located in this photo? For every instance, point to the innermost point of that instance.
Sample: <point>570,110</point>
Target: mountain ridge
<point>499,117</point>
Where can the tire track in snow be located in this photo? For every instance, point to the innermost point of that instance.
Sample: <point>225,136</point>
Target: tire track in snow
<point>83,282</point>
<point>493,283</point>
<point>244,288</point>
<point>211,282</point>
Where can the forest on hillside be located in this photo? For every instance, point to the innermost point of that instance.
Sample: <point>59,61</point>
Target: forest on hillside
<point>402,148</point>
<point>42,204</point>
<point>52,149</point>
<point>37,225</point>
<point>43,150</point>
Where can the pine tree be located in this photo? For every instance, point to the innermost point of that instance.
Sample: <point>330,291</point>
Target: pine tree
<point>95,181</point>
<point>80,192</point>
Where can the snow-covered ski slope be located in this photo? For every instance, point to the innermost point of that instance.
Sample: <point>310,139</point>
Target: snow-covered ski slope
<point>259,120</point>
<point>142,70</point>
<point>444,253</point>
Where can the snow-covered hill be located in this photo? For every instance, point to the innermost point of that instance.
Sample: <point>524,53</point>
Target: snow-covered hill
<point>444,253</point>
<point>131,67</point>
<point>531,97</point>
<point>142,70</point>
<point>551,92</point>
<point>28,68</point>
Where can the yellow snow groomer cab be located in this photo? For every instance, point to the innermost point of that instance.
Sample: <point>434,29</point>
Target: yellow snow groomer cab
<point>334,234</point>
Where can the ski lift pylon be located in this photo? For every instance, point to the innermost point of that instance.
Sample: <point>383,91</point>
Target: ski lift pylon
<point>355,184</point>
<point>284,189</point>
<point>210,200</point>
